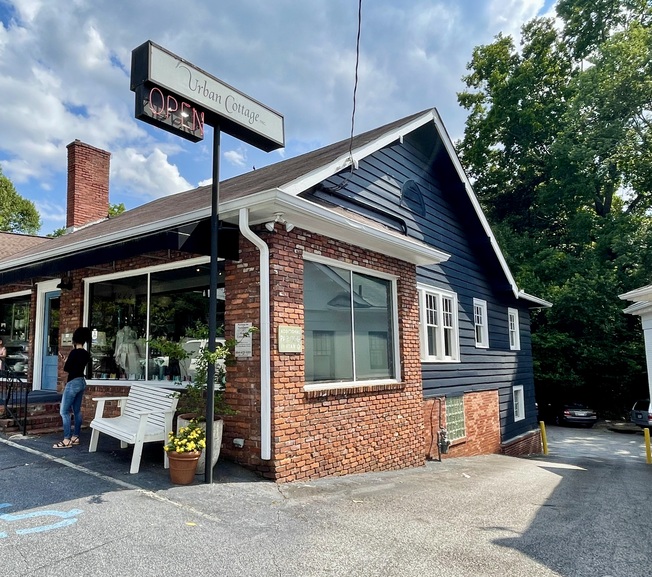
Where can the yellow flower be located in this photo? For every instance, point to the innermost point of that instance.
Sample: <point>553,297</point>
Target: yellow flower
<point>186,439</point>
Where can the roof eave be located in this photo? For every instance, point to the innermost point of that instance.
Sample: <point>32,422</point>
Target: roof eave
<point>639,308</point>
<point>640,294</point>
<point>102,240</point>
<point>318,219</point>
<point>538,302</point>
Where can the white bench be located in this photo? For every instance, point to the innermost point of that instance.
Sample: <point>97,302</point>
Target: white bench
<point>145,416</point>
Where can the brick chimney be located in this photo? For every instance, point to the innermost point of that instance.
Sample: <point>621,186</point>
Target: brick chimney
<point>88,184</point>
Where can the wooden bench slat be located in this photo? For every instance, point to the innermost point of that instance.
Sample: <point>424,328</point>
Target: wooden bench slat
<point>146,417</point>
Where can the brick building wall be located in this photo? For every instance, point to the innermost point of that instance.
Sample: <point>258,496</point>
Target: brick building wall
<point>326,433</point>
<point>482,424</point>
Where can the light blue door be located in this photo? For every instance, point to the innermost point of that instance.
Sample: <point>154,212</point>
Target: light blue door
<point>50,341</point>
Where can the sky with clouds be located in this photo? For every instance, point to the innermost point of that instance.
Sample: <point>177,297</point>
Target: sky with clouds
<point>65,70</point>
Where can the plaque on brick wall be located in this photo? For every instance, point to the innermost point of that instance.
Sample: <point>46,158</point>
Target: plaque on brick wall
<point>244,345</point>
<point>289,339</point>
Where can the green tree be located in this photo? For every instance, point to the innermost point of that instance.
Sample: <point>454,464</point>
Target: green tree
<point>516,103</point>
<point>114,210</point>
<point>557,142</point>
<point>17,214</point>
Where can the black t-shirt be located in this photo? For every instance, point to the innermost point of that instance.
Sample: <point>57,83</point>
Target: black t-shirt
<point>76,363</point>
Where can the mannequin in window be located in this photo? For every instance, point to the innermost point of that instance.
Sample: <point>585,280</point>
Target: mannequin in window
<point>127,355</point>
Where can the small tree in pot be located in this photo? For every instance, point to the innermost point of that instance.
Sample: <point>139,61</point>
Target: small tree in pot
<point>192,401</point>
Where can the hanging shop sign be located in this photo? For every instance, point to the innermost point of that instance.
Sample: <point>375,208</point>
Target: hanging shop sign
<point>179,97</point>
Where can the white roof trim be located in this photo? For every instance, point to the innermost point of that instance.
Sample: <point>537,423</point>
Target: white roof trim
<point>640,294</point>
<point>149,228</point>
<point>639,308</point>
<point>310,216</point>
<point>542,303</point>
<point>452,153</point>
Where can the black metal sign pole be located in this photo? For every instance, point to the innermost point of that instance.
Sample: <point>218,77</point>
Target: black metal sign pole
<point>212,309</point>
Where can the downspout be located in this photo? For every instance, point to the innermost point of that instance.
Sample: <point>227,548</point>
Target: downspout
<point>265,356</point>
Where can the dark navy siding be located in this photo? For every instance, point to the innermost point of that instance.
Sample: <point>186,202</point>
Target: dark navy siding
<point>473,271</point>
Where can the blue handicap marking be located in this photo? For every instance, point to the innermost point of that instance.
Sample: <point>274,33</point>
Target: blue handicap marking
<point>69,518</point>
<point>2,533</point>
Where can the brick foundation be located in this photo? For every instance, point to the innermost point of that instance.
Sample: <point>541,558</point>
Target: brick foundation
<point>482,424</point>
<point>528,444</point>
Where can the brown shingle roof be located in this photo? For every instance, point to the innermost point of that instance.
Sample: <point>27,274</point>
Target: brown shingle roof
<point>267,178</point>
<point>12,243</point>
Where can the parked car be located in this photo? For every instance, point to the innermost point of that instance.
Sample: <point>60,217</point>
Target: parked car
<point>576,413</point>
<point>641,414</point>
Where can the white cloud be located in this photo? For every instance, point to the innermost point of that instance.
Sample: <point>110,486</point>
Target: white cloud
<point>146,176</point>
<point>236,157</point>
<point>64,75</point>
<point>52,215</point>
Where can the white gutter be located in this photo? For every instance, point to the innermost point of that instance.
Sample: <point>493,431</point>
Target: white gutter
<point>265,355</point>
<point>536,300</point>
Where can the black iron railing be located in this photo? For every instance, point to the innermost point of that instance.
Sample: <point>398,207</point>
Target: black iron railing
<point>14,393</point>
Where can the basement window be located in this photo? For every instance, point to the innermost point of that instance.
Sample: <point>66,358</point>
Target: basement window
<point>455,423</point>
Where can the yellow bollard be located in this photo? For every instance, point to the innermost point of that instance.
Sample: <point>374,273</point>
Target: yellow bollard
<point>542,425</point>
<point>648,454</point>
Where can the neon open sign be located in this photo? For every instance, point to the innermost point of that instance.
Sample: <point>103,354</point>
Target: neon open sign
<point>179,97</point>
<point>160,108</point>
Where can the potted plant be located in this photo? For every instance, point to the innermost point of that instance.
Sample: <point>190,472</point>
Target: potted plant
<point>192,401</point>
<point>172,350</point>
<point>184,449</point>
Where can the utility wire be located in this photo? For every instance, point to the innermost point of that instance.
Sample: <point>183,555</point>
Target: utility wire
<point>355,85</point>
<point>344,182</point>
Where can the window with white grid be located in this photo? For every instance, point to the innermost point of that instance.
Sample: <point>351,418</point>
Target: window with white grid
<point>439,325</point>
<point>480,323</point>
<point>514,335</point>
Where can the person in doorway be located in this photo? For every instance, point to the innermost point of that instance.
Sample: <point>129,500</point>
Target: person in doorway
<point>3,355</point>
<point>73,393</point>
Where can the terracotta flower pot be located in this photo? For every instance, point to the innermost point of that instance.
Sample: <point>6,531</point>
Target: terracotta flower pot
<point>183,466</point>
<point>218,427</point>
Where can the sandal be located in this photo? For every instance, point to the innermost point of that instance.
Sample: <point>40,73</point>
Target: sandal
<point>74,440</point>
<point>63,444</point>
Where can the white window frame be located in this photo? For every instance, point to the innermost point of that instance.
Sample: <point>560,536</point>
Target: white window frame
<point>439,323</point>
<point>146,270</point>
<point>393,279</point>
<point>513,329</point>
<point>480,324</point>
<point>518,396</point>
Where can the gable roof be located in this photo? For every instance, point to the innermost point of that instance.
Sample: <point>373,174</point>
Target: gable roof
<point>276,189</point>
<point>12,243</point>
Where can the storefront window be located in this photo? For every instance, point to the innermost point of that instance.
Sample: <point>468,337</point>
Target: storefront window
<point>140,323</point>
<point>14,326</point>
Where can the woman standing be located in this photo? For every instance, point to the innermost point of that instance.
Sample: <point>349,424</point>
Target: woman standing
<point>73,393</point>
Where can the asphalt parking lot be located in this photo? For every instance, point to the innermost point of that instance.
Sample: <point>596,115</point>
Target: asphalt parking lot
<point>582,510</point>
